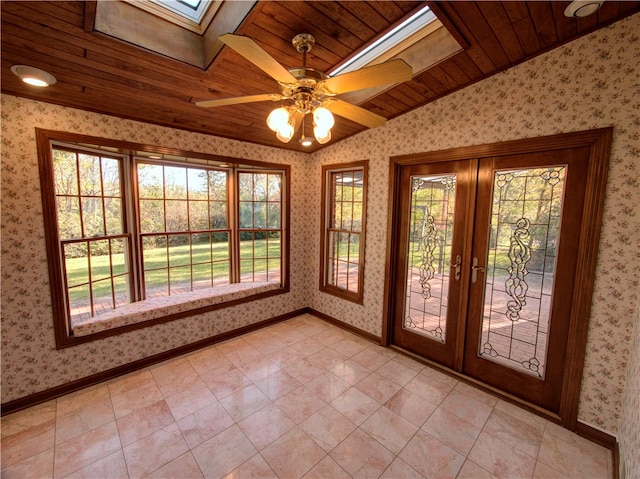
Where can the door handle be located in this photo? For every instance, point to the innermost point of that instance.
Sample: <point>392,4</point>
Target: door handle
<point>457,266</point>
<point>474,270</point>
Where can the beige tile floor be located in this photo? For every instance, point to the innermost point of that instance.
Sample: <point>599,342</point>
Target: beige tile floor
<point>298,399</point>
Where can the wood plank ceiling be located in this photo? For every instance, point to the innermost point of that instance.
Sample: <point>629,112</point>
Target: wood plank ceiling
<point>99,73</point>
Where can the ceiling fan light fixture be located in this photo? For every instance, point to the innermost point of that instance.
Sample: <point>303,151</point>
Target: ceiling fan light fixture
<point>33,76</point>
<point>323,118</point>
<point>278,119</point>
<point>285,133</point>
<point>322,136</point>
<point>582,8</point>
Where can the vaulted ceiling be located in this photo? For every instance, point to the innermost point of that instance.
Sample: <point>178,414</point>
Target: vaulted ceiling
<point>100,73</point>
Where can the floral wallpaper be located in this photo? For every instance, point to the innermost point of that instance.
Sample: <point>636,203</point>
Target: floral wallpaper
<point>589,83</point>
<point>30,362</point>
<point>592,82</point>
<point>629,430</point>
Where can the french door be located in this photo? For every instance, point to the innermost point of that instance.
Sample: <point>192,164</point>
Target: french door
<point>485,256</point>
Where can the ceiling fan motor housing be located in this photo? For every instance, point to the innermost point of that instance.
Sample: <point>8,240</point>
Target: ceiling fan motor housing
<point>303,42</point>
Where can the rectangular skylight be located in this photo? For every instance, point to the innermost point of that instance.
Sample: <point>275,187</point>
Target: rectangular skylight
<point>397,35</point>
<point>190,9</point>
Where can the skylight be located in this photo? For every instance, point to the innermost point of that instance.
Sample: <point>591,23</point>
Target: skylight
<point>381,49</point>
<point>192,10</point>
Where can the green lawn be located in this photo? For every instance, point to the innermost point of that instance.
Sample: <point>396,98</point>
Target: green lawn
<point>156,262</point>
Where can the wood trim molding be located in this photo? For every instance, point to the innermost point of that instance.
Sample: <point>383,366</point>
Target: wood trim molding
<point>598,436</point>
<point>341,324</point>
<point>57,391</point>
<point>599,143</point>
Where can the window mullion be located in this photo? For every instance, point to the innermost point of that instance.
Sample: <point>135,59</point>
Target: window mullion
<point>131,202</point>
<point>233,201</point>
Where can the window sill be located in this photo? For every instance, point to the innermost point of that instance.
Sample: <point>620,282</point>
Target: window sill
<point>156,308</point>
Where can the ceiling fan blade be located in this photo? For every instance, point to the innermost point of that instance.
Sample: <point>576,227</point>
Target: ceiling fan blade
<point>393,71</point>
<point>253,52</point>
<point>355,113</point>
<point>239,99</point>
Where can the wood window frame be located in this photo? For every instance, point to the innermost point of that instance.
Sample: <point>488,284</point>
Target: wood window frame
<point>44,139</point>
<point>327,171</point>
<point>599,143</point>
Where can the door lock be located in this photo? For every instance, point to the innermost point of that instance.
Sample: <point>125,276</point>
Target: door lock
<point>474,270</point>
<point>457,266</point>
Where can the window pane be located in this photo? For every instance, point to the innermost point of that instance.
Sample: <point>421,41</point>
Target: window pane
<point>121,289</point>
<point>113,216</point>
<point>79,305</point>
<point>150,183</point>
<point>177,219</point>
<point>179,250</point>
<point>245,181</point>
<point>118,258</point>
<point>260,270</point>
<point>274,193</point>
<point>246,245</point>
<point>198,189</point>
<point>100,267</point>
<point>198,215</point>
<point>352,278</point>
<point>246,215</point>
<point>347,215</point>
<point>175,182</point>
<point>274,215</point>
<point>201,248</point>
<point>156,283</point>
<point>260,187</point>
<point>65,169</point>
<point>356,225</point>
<point>220,246</point>
<point>202,277</point>
<point>273,245</point>
<point>92,217</point>
<point>76,263</point>
<point>111,176</point>
<point>154,250</point>
<point>180,279</point>
<point>69,226</point>
<point>151,216</point>
<point>274,270</point>
<point>218,213</point>
<point>354,247</point>
<point>218,185</point>
<point>357,186</point>
<point>102,296</point>
<point>260,215</point>
<point>90,184</point>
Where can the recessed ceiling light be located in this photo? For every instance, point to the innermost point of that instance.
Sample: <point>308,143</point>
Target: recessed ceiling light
<point>582,8</point>
<point>33,76</point>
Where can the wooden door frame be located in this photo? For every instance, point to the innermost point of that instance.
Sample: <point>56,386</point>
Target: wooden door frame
<point>599,144</point>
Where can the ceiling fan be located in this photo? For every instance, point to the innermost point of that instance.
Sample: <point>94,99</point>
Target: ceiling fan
<point>309,91</point>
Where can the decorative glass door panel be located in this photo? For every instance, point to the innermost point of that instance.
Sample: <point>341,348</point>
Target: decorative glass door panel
<point>520,264</point>
<point>429,253</point>
<point>435,200</point>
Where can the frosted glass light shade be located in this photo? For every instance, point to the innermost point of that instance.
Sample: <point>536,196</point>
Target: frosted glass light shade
<point>322,136</point>
<point>323,118</point>
<point>278,118</point>
<point>285,133</point>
